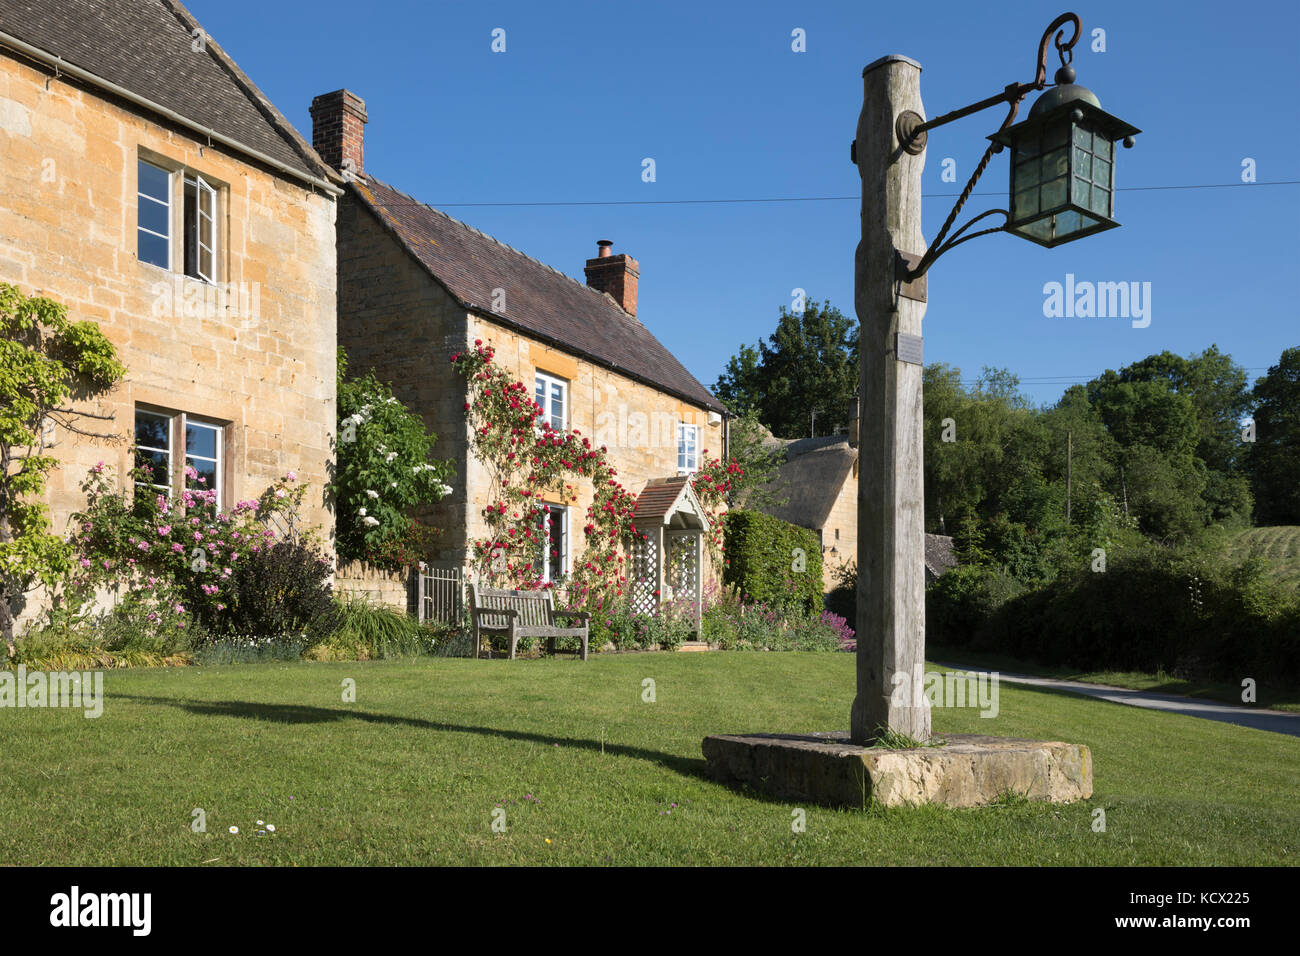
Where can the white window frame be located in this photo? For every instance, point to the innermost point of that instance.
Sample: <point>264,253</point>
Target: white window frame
<point>688,455</point>
<point>558,513</point>
<point>177,433</point>
<point>171,438</point>
<point>549,380</point>
<point>204,237</point>
<point>218,461</point>
<point>141,197</point>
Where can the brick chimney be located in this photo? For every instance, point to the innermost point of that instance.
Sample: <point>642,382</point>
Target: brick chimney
<point>338,130</point>
<point>616,275</point>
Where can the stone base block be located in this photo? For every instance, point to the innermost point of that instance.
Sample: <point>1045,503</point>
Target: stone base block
<point>968,770</point>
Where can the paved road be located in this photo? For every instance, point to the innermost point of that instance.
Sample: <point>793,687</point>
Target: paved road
<point>1277,721</point>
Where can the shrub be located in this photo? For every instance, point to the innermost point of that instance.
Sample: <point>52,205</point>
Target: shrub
<point>280,591</point>
<point>367,632</point>
<point>761,556</point>
<point>124,636</point>
<point>249,650</point>
<point>1154,608</point>
<point>961,601</point>
<point>843,598</point>
<point>384,467</point>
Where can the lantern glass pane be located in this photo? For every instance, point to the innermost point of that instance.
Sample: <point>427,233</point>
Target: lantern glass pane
<point>1101,172</point>
<point>1053,194</point>
<point>1101,147</point>
<point>1068,222</point>
<point>1082,163</point>
<point>1056,163</point>
<point>1026,204</point>
<point>1026,176</point>
<point>1027,148</point>
<point>1100,202</point>
<point>1082,138</point>
<point>1056,135</point>
<point>1039,229</point>
<point>1081,192</point>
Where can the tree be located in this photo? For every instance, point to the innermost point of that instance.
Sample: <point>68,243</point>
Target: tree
<point>760,461</point>
<point>807,367</point>
<point>384,469</point>
<point>1274,458</point>
<point>46,362</point>
<point>739,387</point>
<point>1157,429</point>
<point>1217,387</point>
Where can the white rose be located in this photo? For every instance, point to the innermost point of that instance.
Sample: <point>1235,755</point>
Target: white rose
<point>371,494</point>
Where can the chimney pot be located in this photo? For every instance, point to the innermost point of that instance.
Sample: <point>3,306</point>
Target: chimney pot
<point>602,246</point>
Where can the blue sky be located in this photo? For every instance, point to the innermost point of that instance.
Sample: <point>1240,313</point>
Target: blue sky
<point>715,95</point>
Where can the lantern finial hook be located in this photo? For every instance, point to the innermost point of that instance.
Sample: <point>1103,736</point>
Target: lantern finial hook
<point>1064,49</point>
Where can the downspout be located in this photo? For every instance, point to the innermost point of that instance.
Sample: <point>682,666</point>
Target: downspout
<point>64,68</point>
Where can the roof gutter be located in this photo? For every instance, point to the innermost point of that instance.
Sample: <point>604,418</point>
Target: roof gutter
<point>62,67</point>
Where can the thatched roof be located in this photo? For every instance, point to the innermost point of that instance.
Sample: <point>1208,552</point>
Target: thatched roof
<point>811,477</point>
<point>939,555</point>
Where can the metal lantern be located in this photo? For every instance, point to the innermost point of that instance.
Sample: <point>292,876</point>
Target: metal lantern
<point>1063,165</point>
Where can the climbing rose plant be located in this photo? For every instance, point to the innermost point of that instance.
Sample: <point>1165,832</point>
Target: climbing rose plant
<point>530,462</point>
<point>713,484</point>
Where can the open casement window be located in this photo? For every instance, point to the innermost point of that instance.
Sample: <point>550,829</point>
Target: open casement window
<point>553,395</point>
<point>157,437</point>
<point>552,557</point>
<point>200,229</point>
<point>688,449</point>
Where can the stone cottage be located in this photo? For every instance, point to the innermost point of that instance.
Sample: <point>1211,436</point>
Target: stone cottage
<point>818,480</point>
<point>416,286</point>
<point>149,186</point>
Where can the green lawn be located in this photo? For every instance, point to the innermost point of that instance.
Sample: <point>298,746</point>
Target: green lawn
<point>411,772</point>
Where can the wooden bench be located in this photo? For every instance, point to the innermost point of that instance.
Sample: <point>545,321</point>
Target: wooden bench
<point>519,614</point>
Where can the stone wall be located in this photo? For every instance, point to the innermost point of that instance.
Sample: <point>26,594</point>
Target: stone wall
<point>262,366</point>
<point>840,533</point>
<point>380,587</point>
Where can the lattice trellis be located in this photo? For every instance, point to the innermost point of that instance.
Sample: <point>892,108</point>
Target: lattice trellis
<point>682,570</point>
<point>284,524</point>
<point>645,576</point>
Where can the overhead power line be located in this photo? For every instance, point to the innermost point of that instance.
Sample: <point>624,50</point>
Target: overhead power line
<point>777,199</point>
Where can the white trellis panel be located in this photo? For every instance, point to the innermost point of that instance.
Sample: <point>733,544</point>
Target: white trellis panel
<point>645,575</point>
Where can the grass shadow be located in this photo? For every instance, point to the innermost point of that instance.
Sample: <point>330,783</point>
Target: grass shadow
<point>303,714</point>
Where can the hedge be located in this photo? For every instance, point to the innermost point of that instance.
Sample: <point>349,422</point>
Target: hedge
<point>1152,609</point>
<point>763,560</point>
